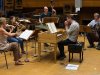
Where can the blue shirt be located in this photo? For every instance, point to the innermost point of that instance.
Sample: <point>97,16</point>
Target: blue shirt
<point>93,23</point>
<point>45,15</point>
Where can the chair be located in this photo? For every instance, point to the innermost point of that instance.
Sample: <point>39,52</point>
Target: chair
<point>76,48</point>
<point>4,51</point>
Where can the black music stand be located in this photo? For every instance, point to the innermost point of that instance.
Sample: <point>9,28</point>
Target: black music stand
<point>85,29</point>
<point>50,19</point>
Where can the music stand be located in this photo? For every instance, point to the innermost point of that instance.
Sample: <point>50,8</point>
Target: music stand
<point>50,19</point>
<point>85,29</point>
<point>29,32</point>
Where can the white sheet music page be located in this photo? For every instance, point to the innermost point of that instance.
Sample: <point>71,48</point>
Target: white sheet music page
<point>72,67</point>
<point>26,34</point>
<point>52,27</point>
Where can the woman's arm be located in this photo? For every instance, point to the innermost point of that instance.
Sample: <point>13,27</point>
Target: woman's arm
<point>8,33</point>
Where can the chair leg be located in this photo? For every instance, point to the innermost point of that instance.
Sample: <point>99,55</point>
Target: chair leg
<point>72,55</point>
<point>82,55</point>
<point>6,59</point>
<point>69,56</point>
<point>80,58</point>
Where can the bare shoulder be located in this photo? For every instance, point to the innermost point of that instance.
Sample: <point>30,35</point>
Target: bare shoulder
<point>2,30</point>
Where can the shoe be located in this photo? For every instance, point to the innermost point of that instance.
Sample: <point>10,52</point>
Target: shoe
<point>46,45</point>
<point>58,57</point>
<point>23,52</point>
<point>91,46</point>
<point>98,47</point>
<point>18,63</point>
<point>61,57</point>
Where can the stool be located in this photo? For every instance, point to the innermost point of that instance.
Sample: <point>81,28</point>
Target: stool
<point>76,48</point>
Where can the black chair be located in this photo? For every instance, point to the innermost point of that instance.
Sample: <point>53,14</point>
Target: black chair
<point>4,51</point>
<point>76,48</point>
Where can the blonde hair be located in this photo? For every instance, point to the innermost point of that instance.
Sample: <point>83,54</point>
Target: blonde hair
<point>2,19</point>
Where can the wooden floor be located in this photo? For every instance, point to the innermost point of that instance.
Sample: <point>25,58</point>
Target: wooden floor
<point>90,65</point>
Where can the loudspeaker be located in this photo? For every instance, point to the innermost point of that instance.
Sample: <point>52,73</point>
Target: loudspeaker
<point>67,9</point>
<point>18,4</point>
<point>78,3</point>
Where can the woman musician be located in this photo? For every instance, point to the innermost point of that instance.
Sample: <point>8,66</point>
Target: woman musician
<point>9,46</point>
<point>15,39</point>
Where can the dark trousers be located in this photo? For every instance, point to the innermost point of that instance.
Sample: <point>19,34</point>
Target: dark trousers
<point>63,43</point>
<point>93,37</point>
<point>99,38</point>
<point>18,40</point>
<point>90,39</point>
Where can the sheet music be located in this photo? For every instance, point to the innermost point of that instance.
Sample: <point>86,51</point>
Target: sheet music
<point>72,67</point>
<point>26,34</point>
<point>52,27</point>
<point>25,20</point>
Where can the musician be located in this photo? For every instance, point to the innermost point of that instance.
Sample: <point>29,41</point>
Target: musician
<point>72,29</point>
<point>9,46</point>
<point>46,13</point>
<point>92,37</point>
<point>15,39</point>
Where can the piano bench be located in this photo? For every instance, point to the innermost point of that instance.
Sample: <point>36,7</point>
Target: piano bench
<point>76,48</point>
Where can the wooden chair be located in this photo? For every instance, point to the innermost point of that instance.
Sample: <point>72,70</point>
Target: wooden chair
<point>76,48</point>
<point>4,51</point>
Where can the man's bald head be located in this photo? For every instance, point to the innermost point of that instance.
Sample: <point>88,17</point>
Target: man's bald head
<point>45,9</point>
<point>96,16</point>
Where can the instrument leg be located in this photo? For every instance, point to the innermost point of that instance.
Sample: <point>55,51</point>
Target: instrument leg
<point>39,50</point>
<point>35,55</point>
<point>84,41</point>
<point>55,52</point>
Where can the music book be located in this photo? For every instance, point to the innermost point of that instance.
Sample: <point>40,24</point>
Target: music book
<point>52,27</point>
<point>26,34</point>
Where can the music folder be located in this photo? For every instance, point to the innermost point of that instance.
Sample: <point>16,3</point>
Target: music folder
<point>52,28</point>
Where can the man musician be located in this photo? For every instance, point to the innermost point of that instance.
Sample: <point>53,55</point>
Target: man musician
<point>46,13</point>
<point>92,37</point>
<point>72,29</point>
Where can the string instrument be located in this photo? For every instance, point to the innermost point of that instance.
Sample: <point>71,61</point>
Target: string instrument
<point>97,29</point>
<point>52,3</point>
<point>94,33</point>
<point>17,27</point>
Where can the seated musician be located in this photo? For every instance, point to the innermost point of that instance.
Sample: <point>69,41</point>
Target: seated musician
<point>92,37</point>
<point>16,39</point>
<point>9,46</point>
<point>72,28</point>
